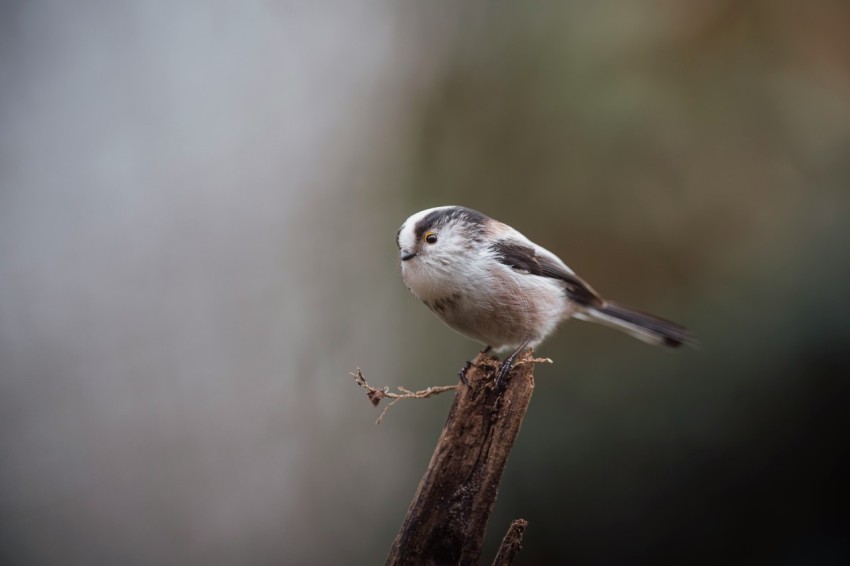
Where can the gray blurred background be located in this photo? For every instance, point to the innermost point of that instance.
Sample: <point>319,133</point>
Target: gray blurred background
<point>198,204</point>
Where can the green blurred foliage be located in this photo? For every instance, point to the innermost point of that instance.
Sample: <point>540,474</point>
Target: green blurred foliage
<point>690,159</point>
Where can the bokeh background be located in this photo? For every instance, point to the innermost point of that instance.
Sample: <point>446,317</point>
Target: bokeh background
<point>198,204</point>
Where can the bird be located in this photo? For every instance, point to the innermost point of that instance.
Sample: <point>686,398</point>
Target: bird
<point>490,283</point>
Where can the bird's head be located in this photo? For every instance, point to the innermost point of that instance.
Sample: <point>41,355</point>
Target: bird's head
<point>433,243</point>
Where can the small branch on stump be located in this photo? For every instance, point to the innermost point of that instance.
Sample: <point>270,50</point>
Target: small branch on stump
<point>447,518</point>
<point>376,394</point>
<point>511,544</point>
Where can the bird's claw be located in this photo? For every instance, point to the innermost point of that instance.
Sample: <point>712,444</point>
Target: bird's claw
<point>462,373</point>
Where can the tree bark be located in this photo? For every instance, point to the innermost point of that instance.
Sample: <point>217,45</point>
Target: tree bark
<point>511,544</point>
<point>447,518</point>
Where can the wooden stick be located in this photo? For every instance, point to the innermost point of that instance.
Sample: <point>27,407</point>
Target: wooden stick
<point>447,519</point>
<point>511,544</point>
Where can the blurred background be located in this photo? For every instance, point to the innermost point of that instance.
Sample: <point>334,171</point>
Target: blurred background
<point>198,204</point>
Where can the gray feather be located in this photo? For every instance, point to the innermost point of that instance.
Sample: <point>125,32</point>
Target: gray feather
<point>642,326</point>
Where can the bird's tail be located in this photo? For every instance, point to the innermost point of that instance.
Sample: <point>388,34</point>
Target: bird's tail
<point>642,326</point>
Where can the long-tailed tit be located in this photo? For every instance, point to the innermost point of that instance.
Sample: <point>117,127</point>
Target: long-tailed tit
<point>492,284</point>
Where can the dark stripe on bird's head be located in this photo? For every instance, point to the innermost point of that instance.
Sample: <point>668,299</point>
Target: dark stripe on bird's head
<point>443,216</point>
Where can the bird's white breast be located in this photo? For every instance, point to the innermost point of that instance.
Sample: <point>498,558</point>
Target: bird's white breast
<point>486,300</point>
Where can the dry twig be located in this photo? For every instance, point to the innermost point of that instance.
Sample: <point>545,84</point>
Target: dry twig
<point>511,544</point>
<point>376,394</point>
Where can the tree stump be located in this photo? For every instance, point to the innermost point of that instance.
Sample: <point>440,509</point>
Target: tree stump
<point>447,519</point>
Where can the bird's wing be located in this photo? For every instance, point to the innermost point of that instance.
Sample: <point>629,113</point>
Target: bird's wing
<point>541,263</point>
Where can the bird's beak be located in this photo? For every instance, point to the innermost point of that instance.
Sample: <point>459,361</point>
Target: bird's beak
<point>406,255</point>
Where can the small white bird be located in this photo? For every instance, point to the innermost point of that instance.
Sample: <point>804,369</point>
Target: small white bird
<point>492,284</point>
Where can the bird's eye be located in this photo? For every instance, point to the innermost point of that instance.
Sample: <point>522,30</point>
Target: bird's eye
<point>431,238</point>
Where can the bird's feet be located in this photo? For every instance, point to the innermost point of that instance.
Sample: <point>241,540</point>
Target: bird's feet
<point>507,365</point>
<point>462,373</point>
<point>503,372</point>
